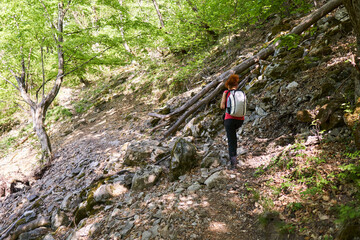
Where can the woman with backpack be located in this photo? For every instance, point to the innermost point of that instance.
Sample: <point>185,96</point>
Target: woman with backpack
<point>232,123</point>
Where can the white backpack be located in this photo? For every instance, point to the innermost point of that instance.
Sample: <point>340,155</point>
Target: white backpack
<point>236,103</point>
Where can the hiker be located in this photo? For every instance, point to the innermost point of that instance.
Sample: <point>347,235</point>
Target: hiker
<point>232,124</point>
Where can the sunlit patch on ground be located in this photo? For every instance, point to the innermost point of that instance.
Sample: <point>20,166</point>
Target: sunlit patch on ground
<point>218,227</point>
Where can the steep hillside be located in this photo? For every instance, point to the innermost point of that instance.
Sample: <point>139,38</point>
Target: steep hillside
<point>114,177</point>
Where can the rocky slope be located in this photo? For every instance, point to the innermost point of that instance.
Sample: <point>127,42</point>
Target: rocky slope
<point>113,178</point>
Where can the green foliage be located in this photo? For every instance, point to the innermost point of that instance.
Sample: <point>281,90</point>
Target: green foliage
<point>287,228</point>
<point>7,142</point>
<point>58,113</point>
<point>348,212</point>
<point>10,141</point>
<point>295,206</point>
<point>82,106</point>
<point>350,172</point>
<point>355,155</point>
<point>289,41</point>
<point>312,191</point>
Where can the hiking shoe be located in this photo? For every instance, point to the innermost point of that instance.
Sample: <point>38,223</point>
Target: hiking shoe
<point>233,163</point>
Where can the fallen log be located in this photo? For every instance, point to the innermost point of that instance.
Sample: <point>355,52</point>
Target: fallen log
<point>192,105</point>
<point>195,98</point>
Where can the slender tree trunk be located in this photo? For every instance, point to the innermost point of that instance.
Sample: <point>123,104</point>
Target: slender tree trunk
<point>353,8</point>
<point>38,117</point>
<point>126,46</point>
<point>158,13</point>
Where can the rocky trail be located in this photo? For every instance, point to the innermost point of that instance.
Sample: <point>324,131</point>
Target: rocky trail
<point>184,209</point>
<point>112,177</point>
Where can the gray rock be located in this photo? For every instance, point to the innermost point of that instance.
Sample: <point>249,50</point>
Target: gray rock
<point>139,153</point>
<point>59,218</point>
<point>127,228</point>
<point>103,193</point>
<point>154,230</point>
<point>146,235</point>
<point>70,202</point>
<point>292,85</point>
<point>242,151</point>
<point>93,165</point>
<point>342,15</point>
<point>48,237</point>
<point>216,180</point>
<point>193,128</point>
<point>209,160</point>
<point>260,111</point>
<point>158,214</point>
<point>193,188</point>
<point>34,234</point>
<point>146,177</point>
<point>81,212</point>
<point>183,158</point>
<point>29,215</point>
<point>76,171</point>
<point>32,197</point>
<point>179,190</point>
<point>272,71</point>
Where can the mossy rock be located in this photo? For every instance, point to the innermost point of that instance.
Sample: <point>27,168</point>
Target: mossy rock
<point>322,50</point>
<point>327,89</point>
<point>281,27</point>
<point>304,116</point>
<point>183,158</point>
<point>296,53</point>
<point>81,213</point>
<point>352,120</point>
<point>330,115</point>
<point>294,67</point>
<point>259,85</point>
<point>7,125</point>
<point>350,230</point>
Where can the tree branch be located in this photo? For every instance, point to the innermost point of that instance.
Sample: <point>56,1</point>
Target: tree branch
<point>49,18</point>
<point>76,68</point>
<point>9,82</point>
<point>67,7</point>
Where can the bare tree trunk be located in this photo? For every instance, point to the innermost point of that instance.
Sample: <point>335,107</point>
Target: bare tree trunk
<point>158,13</point>
<point>38,116</point>
<point>353,8</point>
<point>126,46</point>
<point>307,22</point>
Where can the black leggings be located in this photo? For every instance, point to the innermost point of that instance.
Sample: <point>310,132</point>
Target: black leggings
<point>231,125</point>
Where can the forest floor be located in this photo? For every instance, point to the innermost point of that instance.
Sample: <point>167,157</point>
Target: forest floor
<point>234,211</point>
<point>230,212</point>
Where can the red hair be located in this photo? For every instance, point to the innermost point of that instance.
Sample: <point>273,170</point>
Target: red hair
<point>233,81</point>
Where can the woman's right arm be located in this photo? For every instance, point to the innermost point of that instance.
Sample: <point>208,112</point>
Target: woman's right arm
<point>223,100</point>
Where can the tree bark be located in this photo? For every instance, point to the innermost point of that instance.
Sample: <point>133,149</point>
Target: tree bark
<point>263,54</point>
<point>158,13</point>
<point>126,46</point>
<point>353,8</point>
<point>38,116</point>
